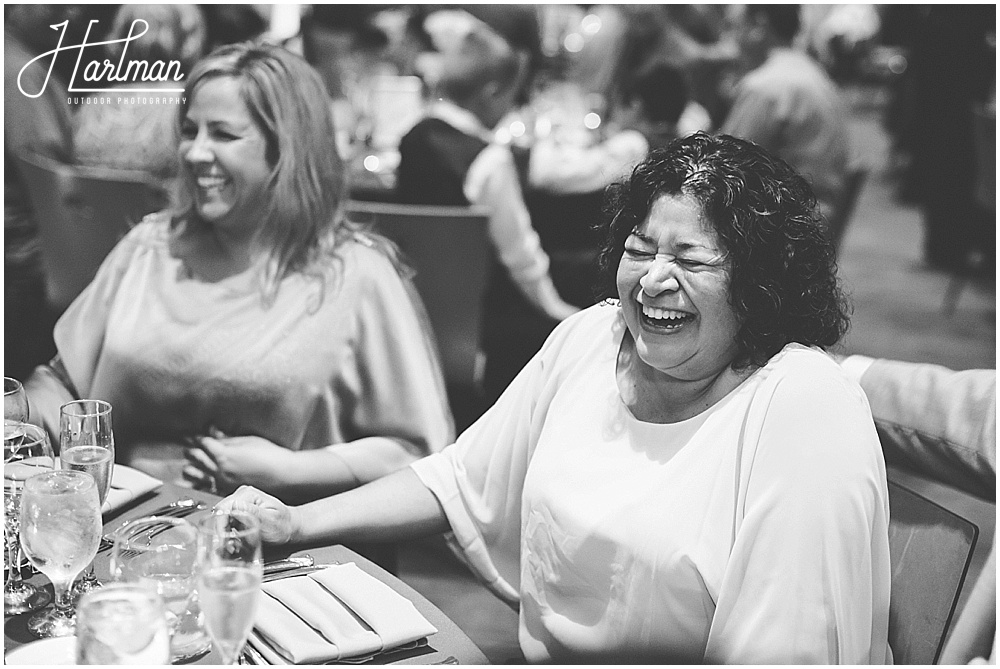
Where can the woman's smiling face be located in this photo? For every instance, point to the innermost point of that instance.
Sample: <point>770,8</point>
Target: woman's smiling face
<point>673,281</point>
<point>224,154</point>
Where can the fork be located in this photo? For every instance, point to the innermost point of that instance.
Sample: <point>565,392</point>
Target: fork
<point>178,509</point>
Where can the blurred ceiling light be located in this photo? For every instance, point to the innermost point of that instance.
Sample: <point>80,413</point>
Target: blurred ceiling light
<point>517,129</point>
<point>591,24</point>
<point>592,120</point>
<point>371,163</point>
<point>897,64</point>
<point>573,42</point>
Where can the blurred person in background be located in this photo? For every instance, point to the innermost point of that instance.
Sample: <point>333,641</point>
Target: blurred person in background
<point>789,105</point>
<point>234,23</point>
<point>252,335</point>
<point>568,172</point>
<point>451,157</point>
<point>652,105</point>
<point>112,129</point>
<point>633,39</point>
<point>42,125</point>
<point>953,71</point>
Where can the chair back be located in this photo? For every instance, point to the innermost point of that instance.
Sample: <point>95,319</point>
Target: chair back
<point>846,203</point>
<point>449,249</point>
<point>939,539</point>
<point>81,213</point>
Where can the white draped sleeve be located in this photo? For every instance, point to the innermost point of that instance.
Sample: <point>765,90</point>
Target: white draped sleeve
<point>479,479</point>
<point>804,583</point>
<point>80,332</point>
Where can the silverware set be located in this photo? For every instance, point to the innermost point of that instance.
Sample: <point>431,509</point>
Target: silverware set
<point>177,509</point>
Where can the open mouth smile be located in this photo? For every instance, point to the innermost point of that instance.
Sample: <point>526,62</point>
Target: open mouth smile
<point>665,320</point>
<point>211,182</point>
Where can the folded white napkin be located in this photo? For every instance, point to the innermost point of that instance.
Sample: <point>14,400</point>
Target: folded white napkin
<point>393,617</point>
<point>127,485</point>
<point>340,612</point>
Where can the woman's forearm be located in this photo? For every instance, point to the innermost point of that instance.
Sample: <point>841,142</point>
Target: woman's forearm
<point>393,508</point>
<point>314,474</point>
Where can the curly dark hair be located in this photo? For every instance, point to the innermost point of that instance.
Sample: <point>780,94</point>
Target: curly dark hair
<point>783,281</point>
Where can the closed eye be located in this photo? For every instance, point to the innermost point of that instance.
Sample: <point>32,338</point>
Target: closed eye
<point>638,253</point>
<point>224,135</point>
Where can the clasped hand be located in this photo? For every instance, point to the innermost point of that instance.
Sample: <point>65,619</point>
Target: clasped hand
<point>221,464</point>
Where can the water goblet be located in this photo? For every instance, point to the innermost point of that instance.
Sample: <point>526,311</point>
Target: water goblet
<point>26,451</point>
<point>230,571</point>
<point>162,553</point>
<point>60,532</point>
<point>87,444</point>
<point>15,401</point>
<point>122,623</point>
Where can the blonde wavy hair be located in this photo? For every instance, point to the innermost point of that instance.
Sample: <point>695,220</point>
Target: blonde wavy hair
<point>288,101</point>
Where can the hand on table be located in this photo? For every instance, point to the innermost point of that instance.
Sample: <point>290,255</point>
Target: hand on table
<point>276,518</point>
<point>221,464</point>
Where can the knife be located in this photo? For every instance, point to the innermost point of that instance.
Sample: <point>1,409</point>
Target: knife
<point>287,564</point>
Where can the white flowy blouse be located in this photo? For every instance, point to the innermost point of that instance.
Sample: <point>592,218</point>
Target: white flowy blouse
<point>755,532</point>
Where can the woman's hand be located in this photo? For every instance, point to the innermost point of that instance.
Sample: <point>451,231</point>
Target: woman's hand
<point>278,522</point>
<point>222,464</point>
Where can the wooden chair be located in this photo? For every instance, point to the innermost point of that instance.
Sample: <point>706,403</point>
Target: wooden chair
<point>449,248</point>
<point>81,214</point>
<point>846,204</point>
<point>939,540</point>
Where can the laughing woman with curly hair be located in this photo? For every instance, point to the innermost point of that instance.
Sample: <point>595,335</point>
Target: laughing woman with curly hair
<point>682,474</point>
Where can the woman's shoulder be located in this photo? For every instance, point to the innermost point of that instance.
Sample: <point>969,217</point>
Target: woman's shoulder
<point>367,257</point>
<point>585,333</point>
<point>150,233</point>
<point>362,268</point>
<point>809,377</point>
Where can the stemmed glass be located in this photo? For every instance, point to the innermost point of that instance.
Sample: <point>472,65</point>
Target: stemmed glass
<point>60,532</point>
<point>26,452</point>
<point>230,571</point>
<point>162,553</point>
<point>15,401</point>
<point>87,444</point>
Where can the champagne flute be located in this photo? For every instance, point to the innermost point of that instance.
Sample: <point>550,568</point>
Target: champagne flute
<point>230,571</point>
<point>26,451</point>
<point>60,532</point>
<point>162,553</point>
<point>15,401</point>
<point>87,444</point>
<point>122,623</point>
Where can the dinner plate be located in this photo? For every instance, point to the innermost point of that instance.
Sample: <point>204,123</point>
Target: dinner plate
<point>60,650</point>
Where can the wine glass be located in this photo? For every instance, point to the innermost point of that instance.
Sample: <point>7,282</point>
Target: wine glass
<point>122,623</point>
<point>15,401</point>
<point>162,553</point>
<point>60,532</point>
<point>87,444</point>
<point>229,577</point>
<point>26,451</point>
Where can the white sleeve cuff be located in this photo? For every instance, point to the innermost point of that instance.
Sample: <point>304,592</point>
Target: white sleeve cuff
<point>856,365</point>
